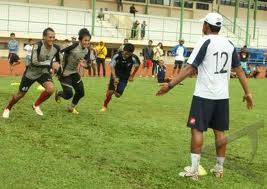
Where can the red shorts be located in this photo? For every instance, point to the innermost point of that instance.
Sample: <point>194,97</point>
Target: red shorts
<point>148,63</point>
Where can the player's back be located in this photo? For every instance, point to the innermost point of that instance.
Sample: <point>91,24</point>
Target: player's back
<point>215,68</point>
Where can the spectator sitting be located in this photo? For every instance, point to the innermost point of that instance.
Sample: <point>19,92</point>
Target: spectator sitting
<point>161,72</point>
<point>133,10</point>
<point>101,15</point>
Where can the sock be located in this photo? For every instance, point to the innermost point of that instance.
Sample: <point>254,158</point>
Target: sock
<point>43,97</point>
<point>11,103</point>
<point>107,100</point>
<point>220,161</point>
<point>195,159</point>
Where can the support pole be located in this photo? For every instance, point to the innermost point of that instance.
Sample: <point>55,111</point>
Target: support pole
<point>93,16</point>
<point>247,29</point>
<point>236,14</point>
<point>181,19</point>
<point>255,18</point>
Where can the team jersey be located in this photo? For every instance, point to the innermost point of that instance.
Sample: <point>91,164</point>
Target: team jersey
<point>73,59</point>
<point>28,49</point>
<point>123,67</point>
<point>41,60</point>
<point>213,57</point>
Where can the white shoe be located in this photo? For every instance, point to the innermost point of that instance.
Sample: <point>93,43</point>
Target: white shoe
<point>6,113</point>
<point>37,110</point>
<point>201,170</point>
<point>189,173</point>
<point>217,171</point>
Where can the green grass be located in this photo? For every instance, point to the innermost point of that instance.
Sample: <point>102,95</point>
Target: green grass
<point>140,142</point>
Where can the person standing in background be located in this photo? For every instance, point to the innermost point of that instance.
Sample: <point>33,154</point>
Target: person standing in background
<point>125,41</point>
<point>13,58</point>
<point>119,5</point>
<point>148,57</point>
<point>91,61</point>
<point>101,53</point>
<point>180,52</point>
<point>143,30</point>
<point>28,49</point>
<point>157,54</point>
<point>244,56</point>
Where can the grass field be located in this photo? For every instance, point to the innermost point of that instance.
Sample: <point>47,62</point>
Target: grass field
<point>140,142</point>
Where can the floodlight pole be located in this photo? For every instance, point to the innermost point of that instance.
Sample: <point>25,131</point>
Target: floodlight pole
<point>236,14</point>
<point>255,18</point>
<point>93,16</point>
<point>181,19</point>
<point>247,29</point>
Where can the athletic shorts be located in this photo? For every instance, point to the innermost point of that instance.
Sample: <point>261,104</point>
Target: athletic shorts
<point>120,86</point>
<point>148,63</point>
<point>71,80</point>
<point>100,60</point>
<point>206,113</point>
<point>12,58</point>
<point>26,83</point>
<point>178,64</point>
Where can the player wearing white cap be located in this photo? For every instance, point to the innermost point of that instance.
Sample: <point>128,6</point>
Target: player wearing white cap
<point>213,57</point>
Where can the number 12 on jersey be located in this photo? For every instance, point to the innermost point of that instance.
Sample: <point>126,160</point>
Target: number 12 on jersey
<point>222,70</point>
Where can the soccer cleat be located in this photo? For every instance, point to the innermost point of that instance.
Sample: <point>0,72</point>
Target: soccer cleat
<point>217,171</point>
<point>57,97</point>
<point>103,109</point>
<point>38,110</point>
<point>6,113</point>
<point>73,110</point>
<point>201,170</point>
<point>189,173</point>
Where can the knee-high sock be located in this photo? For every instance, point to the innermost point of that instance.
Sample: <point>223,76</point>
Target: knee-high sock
<point>108,99</point>
<point>11,103</point>
<point>43,97</point>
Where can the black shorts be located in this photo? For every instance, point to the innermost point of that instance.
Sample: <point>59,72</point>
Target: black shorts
<point>178,64</point>
<point>12,58</point>
<point>206,113</point>
<point>71,80</point>
<point>26,83</point>
<point>120,87</point>
<point>100,60</point>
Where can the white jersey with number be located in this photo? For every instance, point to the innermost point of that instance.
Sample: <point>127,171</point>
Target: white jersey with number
<point>213,57</point>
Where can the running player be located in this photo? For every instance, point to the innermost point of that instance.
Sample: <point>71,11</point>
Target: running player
<point>121,72</point>
<point>213,57</point>
<point>70,78</point>
<point>39,70</point>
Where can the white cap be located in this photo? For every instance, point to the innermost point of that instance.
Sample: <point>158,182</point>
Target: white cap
<point>214,19</point>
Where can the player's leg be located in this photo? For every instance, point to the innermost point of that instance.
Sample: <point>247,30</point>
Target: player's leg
<point>174,68</point>
<point>153,68</point>
<point>219,124</point>
<point>25,84</point>
<point>94,68</point>
<point>46,81</point>
<point>89,70</point>
<point>78,86</point>
<point>180,63</point>
<point>109,93</point>
<point>120,88</point>
<point>66,92</point>
<point>200,115</point>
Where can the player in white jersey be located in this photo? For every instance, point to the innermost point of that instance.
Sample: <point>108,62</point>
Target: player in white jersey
<point>213,57</point>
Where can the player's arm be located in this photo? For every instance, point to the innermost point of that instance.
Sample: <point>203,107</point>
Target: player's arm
<point>112,68</point>
<point>195,59</point>
<point>136,66</point>
<point>242,79</point>
<point>35,61</point>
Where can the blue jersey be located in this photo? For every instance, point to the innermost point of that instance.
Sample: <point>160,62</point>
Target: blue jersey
<point>123,67</point>
<point>161,72</point>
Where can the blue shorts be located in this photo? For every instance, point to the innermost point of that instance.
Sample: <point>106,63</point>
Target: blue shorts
<point>120,86</point>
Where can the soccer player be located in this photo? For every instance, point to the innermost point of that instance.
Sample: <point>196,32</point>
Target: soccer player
<point>180,52</point>
<point>44,52</point>
<point>213,57</point>
<point>13,58</point>
<point>70,78</point>
<point>121,72</point>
